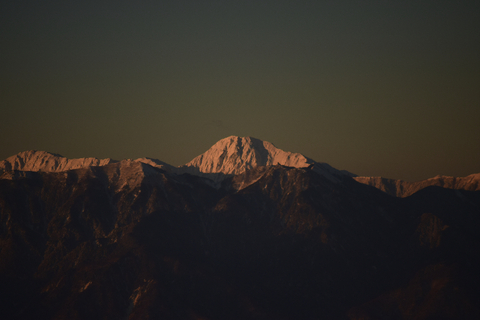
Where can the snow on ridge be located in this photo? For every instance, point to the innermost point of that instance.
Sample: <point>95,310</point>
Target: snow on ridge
<point>157,164</point>
<point>401,188</point>
<point>33,160</point>
<point>229,156</point>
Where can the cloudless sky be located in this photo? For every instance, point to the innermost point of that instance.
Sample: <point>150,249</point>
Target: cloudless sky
<point>378,88</point>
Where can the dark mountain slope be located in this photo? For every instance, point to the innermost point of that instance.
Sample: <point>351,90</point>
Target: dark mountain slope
<point>126,240</point>
<point>306,245</point>
<point>442,254</point>
<point>64,233</point>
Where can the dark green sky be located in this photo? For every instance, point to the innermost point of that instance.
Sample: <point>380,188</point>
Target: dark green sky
<point>374,87</point>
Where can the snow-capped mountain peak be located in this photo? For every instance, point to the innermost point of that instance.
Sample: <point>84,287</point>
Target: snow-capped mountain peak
<point>234,155</point>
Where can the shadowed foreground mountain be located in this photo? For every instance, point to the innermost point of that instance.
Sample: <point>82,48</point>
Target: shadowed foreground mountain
<point>142,240</point>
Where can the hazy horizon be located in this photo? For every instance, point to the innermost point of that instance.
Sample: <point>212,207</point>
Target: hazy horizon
<point>378,89</point>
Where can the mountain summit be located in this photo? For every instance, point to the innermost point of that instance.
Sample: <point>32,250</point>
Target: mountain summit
<point>235,155</point>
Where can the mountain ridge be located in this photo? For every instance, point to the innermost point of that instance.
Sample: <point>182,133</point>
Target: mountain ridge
<point>33,160</point>
<point>402,188</point>
<point>131,240</point>
<point>235,155</point>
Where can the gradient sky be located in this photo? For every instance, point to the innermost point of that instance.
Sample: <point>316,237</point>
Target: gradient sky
<point>378,88</point>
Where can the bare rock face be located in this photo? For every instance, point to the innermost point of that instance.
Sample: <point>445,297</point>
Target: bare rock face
<point>48,162</point>
<point>400,188</point>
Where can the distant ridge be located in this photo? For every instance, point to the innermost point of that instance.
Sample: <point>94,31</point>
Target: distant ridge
<point>34,160</point>
<point>233,156</point>
<point>401,188</point>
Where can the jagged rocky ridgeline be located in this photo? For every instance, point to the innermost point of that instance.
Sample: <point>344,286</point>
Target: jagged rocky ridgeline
<point>274,236</point>
<point>234,155</point>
